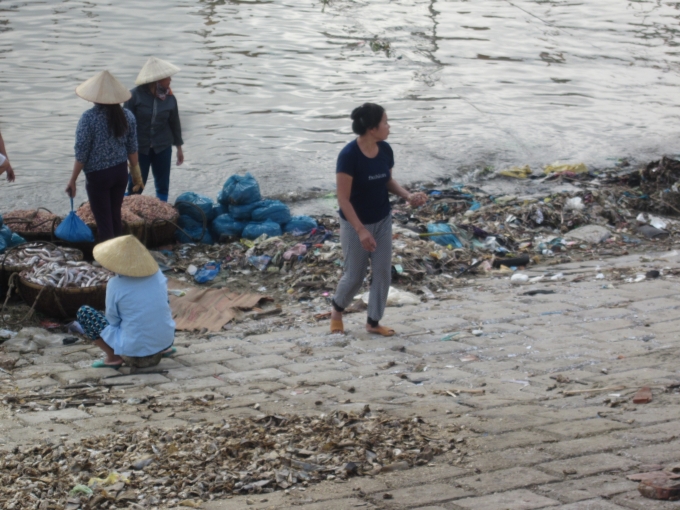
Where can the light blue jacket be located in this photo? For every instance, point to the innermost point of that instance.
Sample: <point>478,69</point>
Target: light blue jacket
<point>139,315</point>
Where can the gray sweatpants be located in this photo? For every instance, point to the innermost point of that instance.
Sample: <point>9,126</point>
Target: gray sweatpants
<point>356,263</point>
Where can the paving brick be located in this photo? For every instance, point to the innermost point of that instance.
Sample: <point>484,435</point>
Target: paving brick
<point>664,453</point>
<point>588,488</point>
<point>588,465</point>
<point>607,325</point>
<point>207,357</point>
<point>139,379</point>
<point>86,374</point>
<point>505,479</point>
<point>633,500</point>
<point>68,414</point>
<point>312,379</point>
<point>256,362</point>
<point>34,383</point>
<point>313,367</point>
<point>583,428</point>
<point>513,500</point>
<point>194,384</point>
<point>266,374</point>
<point>427,494</point>
<point>592,504</point>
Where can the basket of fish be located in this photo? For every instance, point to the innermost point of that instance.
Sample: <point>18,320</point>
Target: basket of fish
<point>160,218</point>
<point>32,225</point>
<point>28,255</point>
<point>59,289</point>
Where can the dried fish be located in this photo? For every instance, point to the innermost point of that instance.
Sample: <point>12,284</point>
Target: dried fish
<point>38,254</point>
<point>69,274</point>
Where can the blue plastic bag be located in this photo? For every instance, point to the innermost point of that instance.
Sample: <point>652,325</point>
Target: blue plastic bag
<point>219,209</point>
<point>299,225</point>
<point>73,229</point>
<point>208,272</point>
<point>1,221</point>
<point>6,234</point>
<point>201,201</point>
<point>3,245</point>
<point>255,230</point>
<point>225,226</point>
<point>242,190</point>
<point>15,240</point>
<point>444,240</point>
<point>273,210</point>
<point>227,188</point>
<point>193,229</point>
<point>243,212</point>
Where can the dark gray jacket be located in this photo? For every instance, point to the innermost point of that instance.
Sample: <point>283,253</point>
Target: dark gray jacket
<point>158,125</point>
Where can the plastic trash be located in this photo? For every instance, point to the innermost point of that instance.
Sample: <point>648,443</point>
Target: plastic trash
<point>443,240</point>
<point>204,203</point>
<point>575,203</point>
<point>519,279</point>
<point>273,210</point>
<point>396,297</point>
<point>511,261</point>
<point>208,273</point>
<point>241,189</point>
<point>592,234</point>
<point>80,489</point>
<point>225,227</point>
<point>260,262</point>
<point>1,221</point>
<point>558,168</point>
<point>296,251</point>
<point>243,212</point>
<point>191,270</point>
<point>6,234</point>
<point>255,230</point>
<point>31,340</point>
<point>192,231</point>
<point>300,225</point>
<point>654,221</point>
<point>651,232</point>
<point>73,229</point>
<point>557,277</point>
<point>516,172</point>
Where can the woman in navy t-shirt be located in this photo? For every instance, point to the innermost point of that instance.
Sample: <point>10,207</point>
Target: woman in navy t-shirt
<point>364,181</point>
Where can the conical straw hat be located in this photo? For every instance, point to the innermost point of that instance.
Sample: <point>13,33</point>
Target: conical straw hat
<point>103,88</point>
<point>125,255</point>
<point>155,69</point>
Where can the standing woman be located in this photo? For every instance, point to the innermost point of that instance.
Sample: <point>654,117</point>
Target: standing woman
<point>158,127</point>
<point>5,165</point>
<point>106,138</point>
<point>364,181</point>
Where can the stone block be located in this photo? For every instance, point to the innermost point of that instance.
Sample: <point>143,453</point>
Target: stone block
<point>582,428</point>
<point>265,374</point>
<point>315,379</point>
<point>593,504</point>
<point>607,325</point>
<point>193,384</point>
<point>256,362</point>
<point>34,383</point>
<point>313,367</point>
<point>139,380</point>
<point>521,499</point>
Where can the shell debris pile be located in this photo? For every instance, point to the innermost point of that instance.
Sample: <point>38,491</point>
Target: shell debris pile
<point>68,274</point>
<point>39,254</point>
<point>150,209</point>
<point>84,212</point>
<point>187,465</point>
<point>30,221</point>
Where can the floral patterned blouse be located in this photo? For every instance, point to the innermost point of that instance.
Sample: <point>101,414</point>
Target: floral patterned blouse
<point>96,147</point>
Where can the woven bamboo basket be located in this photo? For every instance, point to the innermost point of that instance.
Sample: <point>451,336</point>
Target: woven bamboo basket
<point>6,269</point>
<point>61,303</point>
<point>161,232</point>
<point>26,227</point>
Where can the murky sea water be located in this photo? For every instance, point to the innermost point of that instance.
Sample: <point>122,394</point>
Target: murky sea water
<point>267,86</point>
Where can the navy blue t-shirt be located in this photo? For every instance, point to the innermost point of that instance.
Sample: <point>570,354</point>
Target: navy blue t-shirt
<point>369,195</point>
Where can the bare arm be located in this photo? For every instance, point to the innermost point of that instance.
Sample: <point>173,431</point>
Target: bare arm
<point>344,187</point>
<point>71,186</point>
<point>415,199</point>
<point>6,167</point>
<point>133,158</point>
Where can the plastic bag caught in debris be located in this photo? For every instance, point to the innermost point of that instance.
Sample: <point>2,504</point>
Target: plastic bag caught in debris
<point>592,234</point>
<point>396,297</point>
<point>516,172</point>
<point>444,240</point>
<point>31,340</point>
<point>240,190</point>
<point>300,225</point>
<point>577,168</point>
<point>194,230</point>
<point>243,212</point>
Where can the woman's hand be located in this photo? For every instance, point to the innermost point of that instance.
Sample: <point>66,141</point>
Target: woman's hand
<point>71,188</point>
<point>10,173</point>
<point>417,199</point>
<point>180,155</point>
<point>367,241</point>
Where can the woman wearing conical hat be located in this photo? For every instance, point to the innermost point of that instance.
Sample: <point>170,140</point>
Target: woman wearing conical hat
<point>137,327</point>
<point>158,127</point>
<point>106,139</point>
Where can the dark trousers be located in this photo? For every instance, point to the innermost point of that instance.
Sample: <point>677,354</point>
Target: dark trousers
<point>160,167</point>
<point>106,190</point>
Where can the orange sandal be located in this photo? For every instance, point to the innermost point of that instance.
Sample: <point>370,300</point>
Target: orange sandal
<point>336,326</point>
<point>382,331</point>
